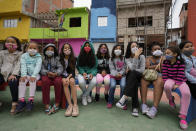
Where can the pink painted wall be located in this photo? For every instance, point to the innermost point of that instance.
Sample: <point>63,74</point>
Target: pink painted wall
<point>76,43</point>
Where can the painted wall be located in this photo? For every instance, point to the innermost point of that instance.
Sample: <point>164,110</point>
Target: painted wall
<point>10,6</point>
<point>72,32</point>
<point>21,31</point>
<point>76,44</point>
<point>77,32</point>
<point>41,33</point>
<point>106,33</point>
<point>192,21</point>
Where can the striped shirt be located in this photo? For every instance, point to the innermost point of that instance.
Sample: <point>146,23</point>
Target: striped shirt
<point>173,71</point>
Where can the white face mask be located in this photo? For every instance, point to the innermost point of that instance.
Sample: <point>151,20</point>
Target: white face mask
<point>134,49</point>
<point>117,52</point>
<point>49,53</point>
<point>32,51</point>
<point>157,53</point>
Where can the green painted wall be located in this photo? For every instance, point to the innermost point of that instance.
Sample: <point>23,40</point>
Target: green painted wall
<point>72,32</point>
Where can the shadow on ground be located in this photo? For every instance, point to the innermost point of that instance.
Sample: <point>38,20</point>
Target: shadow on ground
<point>94,117</point>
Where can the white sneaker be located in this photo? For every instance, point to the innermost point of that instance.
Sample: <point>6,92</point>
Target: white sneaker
<point>152,112</point>
<point>89,99</point>
<point>84,101</point>
<point>144,108</point>
<point>135,112</point>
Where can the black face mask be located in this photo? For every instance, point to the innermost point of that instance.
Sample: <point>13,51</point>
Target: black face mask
<point>188,53</point>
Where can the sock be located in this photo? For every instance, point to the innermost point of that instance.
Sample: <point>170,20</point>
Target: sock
<point>22,99</point>
<point>31,99</point>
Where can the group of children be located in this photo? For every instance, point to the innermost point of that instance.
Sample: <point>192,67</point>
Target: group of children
<point>176,69</point>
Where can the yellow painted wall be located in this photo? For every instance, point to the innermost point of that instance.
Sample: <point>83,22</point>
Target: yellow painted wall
<point>8,6</point>
<point>21,31</point>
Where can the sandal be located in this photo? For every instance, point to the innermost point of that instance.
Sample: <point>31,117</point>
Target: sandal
<point>75,112</point>
<point>55,108</point>
<point>14,104</point>
<point>69,111</point>
<point>48,111</point>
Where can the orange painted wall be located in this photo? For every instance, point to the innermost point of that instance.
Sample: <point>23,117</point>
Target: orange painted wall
<point>192,22</point>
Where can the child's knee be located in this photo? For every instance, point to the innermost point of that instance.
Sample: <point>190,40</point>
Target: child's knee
<point>65,83</point>
<point>168,84</point>
<point>186,93</point>
<point>72,82</point>
<point>99,78</point>
<point>45,79</point>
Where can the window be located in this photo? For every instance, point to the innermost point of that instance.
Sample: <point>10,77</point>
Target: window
<point>75,22</point>
<point>102,21</point>
<point>140,21</point>
<point>10,23</point>
<point>132,22</point>
<point>149,21</point>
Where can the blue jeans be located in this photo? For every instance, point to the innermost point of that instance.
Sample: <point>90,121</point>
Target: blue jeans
<point>113,83</point>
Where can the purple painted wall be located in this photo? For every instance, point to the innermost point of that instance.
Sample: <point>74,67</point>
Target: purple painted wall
<point>74,42</point>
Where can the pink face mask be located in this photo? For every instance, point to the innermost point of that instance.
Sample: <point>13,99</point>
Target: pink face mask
<point>11,46</point>
<point>67,52</point>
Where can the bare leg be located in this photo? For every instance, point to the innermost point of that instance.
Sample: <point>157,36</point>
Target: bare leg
<point>144,90</point>
<point>66,90</point>
<point>158,91</point>
<point>73,91</point>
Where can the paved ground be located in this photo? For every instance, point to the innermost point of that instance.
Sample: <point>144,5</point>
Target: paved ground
<point>94,117</point>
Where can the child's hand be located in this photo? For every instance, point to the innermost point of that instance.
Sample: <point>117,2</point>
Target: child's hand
<point>175,86</point>
<point>50,74</point>
<point>32,79</point>
<point>22,79</point>
<point>12,77</point>
<point>85,75</point>
<point>90,76</point>
<point>54,75</point>
<point>103,73</point>
<point>118,75</point>
<point>138,52</point>
<point>67,81</point>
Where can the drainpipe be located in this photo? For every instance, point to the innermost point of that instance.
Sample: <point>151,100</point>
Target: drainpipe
<point>35,6</point>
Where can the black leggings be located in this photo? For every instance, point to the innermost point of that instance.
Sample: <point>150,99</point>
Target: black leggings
<point>13,84</point>
<point>133,79</point>
<point>192,88</point>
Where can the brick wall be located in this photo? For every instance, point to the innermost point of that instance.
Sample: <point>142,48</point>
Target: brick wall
<point>45,5</point>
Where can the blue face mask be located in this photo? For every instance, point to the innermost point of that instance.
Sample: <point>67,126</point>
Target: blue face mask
<point>169,57</point>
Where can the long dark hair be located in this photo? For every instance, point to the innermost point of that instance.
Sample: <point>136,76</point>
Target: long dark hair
<point>86,59</point>
<point>107,55</point>
<point>176,49</point>
<point>71,60</point>
<point>122,52</point>
<point>128,53</point>
<point>17,42</point>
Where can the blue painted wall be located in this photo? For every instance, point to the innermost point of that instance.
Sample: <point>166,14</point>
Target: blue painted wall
<point>107,33</point>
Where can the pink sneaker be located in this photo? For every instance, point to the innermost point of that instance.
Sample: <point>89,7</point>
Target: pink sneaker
<point>183,122</point>
<point>109,106</point>
<point>172,102</point>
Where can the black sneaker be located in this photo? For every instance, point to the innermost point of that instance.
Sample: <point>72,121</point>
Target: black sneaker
<point>97,97</point>
<point>20,107</point>
<point>106,97</point>
<point>29,105</point>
